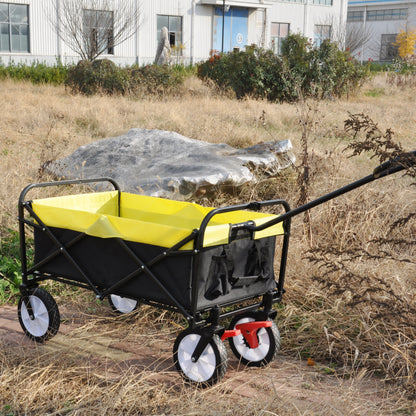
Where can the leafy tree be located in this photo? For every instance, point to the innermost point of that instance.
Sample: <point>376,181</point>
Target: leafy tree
<point>405,41</point>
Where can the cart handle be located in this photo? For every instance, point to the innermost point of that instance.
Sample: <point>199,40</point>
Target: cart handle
<point>395,165</point>
<point>253,206</point>
<point>66,182</point>
<point>387,168</point>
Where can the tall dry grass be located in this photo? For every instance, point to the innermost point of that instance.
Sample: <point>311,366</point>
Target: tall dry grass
<point>327,314</point>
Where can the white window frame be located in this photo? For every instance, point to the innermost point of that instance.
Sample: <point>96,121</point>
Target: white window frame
<point>16,30</point>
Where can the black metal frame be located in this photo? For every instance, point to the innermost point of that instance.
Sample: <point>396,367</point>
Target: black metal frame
<point>195,317</point>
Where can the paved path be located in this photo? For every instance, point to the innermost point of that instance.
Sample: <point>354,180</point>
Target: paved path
<point>122,345</point>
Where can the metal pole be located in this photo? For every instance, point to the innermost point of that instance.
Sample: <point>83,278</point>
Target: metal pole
<point>223,24</point>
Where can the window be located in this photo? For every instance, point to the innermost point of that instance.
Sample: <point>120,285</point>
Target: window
<point>295,1</point>
<point>356,16</point>
<point>321,33</point>
<point>388,50</point>
<point>174,26</point>
<point>387,14</point>
<point>279,31</point>
<point>323,2</point>
<point>98,29</point>
<point>14,27</point>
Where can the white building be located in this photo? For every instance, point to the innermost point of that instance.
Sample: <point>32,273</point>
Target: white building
<point>380,21</point>
<point>27,32</point>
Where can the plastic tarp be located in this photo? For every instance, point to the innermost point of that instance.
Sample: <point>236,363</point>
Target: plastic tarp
<point>143,219</point>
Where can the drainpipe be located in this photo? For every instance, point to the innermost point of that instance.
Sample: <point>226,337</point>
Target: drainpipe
<point>305,17</point>
<point>136,37</point>
<point>364,29</point>
<point>192,51</point>
<point>58,31</point>
<point>223,24</point>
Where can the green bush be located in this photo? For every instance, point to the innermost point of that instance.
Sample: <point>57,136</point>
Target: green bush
<point>98,76</point>
<point>103,76</point>
<point>301,69</point>
<point>156,79</point>
<point>37,72</point>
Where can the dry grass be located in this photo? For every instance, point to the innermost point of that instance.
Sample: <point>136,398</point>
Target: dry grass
<point>321,317</point>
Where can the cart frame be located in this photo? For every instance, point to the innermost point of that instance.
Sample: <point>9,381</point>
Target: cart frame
<point>204,333</point>
<point>195,317</point>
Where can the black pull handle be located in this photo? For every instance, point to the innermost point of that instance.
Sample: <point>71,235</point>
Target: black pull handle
<point>395,165</point>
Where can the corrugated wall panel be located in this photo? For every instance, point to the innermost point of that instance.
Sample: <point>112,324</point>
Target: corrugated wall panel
<point>197,28</point>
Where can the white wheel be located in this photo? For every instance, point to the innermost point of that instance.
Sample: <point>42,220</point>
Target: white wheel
<point>268,343</point>
<point>211,365</point>
<point>38,315</point>
<point>121,304</point>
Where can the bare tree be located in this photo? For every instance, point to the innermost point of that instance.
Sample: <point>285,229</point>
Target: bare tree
<point>357,36</point>
<point>351,36</point>
<point>91,28</point>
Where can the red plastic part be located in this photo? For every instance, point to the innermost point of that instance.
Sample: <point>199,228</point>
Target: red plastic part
<point>249,331</point>
<point>230,333</point>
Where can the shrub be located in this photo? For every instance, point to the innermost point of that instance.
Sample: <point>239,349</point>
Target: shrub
<point>301,69</point>
<point>98,76</point>
<point>103,76</point>
<point>37,72</point>
<point>155,79</point>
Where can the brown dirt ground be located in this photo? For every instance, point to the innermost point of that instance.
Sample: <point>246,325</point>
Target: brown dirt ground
<point>304,390</point>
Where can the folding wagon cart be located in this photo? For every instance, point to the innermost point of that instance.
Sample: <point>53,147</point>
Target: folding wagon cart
<point>206,264</point>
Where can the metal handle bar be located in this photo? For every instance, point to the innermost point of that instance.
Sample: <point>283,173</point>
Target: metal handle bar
<point>66,182</point>
<point>254,206</point>
<point>385,169</point>
<point>395,165</point>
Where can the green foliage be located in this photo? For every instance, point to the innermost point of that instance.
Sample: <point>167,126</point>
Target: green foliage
<point>301,69</point>
<point>103,76</point>
<point>404,66</point>
<point>156,79</point>
<point>98,76</point>
<point>10,265</point>
<point>6,411</point>
<point>378,66</point>
<point>37,72</point>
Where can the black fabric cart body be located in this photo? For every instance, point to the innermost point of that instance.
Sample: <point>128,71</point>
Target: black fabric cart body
<point>191,276</point>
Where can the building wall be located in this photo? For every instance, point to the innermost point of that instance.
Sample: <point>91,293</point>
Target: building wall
<point>197,27</point>
<point>375,29</point>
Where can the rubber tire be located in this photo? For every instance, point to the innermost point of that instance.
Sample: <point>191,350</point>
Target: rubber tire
<point>115,302</point>
<point>214,359</point>
<point>269,343</point>
<point>46,315</point>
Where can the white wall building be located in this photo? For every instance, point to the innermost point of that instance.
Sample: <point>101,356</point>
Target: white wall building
<point>380,21</point>
<point>195,27</point>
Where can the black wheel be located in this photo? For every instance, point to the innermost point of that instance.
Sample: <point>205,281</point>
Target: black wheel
<point>121,304</point>
<point>211,365</point>
<point>45,320</point>
<point>268,340</point>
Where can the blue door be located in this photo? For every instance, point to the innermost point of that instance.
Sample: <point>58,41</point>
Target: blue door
<point>235,29</point>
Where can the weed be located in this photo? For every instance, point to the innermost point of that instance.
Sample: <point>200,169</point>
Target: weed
<point>387,310</point>
<point>375,92</point>
<point>10,265</point>
<point>7,411</point>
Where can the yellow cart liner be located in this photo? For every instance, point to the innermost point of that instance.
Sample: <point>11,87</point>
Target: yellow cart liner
<point>143,219</point>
